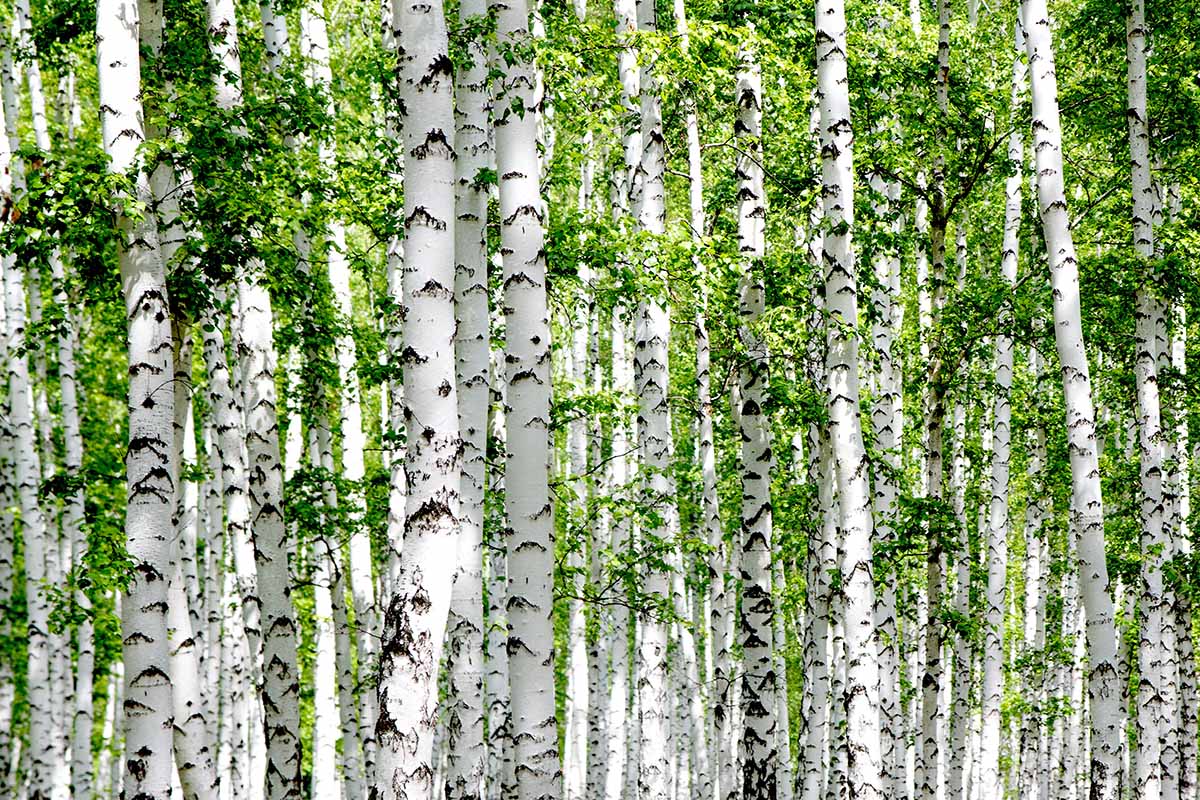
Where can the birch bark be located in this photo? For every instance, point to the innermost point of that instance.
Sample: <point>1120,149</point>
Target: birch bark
<point>991,781</point>
<point>841,289</point>
<point>148,529</point>
<point>415,623</point>
<point>759,753</point>
<point>465,769</point>
<point>1087,509</point>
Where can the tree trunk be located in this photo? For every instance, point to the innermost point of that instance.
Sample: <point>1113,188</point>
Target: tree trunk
<point>465,778</point>
<point>841,288</point>
<point>415,624</point>
<point>997,528</point>
<point>151,493</point>
<point>529,523</point>
<point>760,758</point>
<point>1087,511</point>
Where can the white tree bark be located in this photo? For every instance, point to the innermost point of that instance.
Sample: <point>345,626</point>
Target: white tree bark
<point>529,523</point>
<point>415,623</point>
<point>821,563</point>
<point>72,531</point>
<point>991,781</point>
<point>759,754</point>
<point>256,349</point>
<point>1104,692</point>
<point>887,419</point>
<point>862,667</point>
<point>465,769</point>
<point>618,703</point>
<point>147,693</point>
<point>654,440</point>
<point>1149,339</point>
<point>194,751</point>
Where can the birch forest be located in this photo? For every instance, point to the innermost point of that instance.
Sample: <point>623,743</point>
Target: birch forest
<point>599,399</point>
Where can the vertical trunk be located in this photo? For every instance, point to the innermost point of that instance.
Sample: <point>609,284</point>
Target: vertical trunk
<point>957,687</point>
<point>1087,506</point>
<point>997,527</point>
<point>1186,716</point>
<point>619,734</point>
<point>841,288</point>
<point>465,626</point>
<point>599,643</point>
<point>193,750</point>
<point>783,733</point>
<point>654,436</point>
<point>501,782</point>
<point>73,533</point>
<point>325,782</point>
<point>415,624</point>
<point>256,350</point>
<point>145,652</point>
<point>1149,334</point>
<point>529,522</point>
<point>760,764</point>
<point>821,563</point>
<point>8,499</point>
<point>621,778</point>
<point>887,419</point>
<point>575,744</point>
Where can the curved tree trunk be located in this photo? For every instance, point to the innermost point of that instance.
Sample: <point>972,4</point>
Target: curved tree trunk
<point>1087,510</point>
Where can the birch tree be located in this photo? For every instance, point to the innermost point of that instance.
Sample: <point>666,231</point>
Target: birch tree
<point>1104,695</point>
<point>147,691</point>
<point>841,365</point>
<point>415,623</point>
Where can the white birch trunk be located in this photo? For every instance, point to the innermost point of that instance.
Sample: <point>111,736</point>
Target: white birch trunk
<point>465,769</point>
<point>314,31</point>
<point>415,623</point>
<point>147,694</point>
<point>1149,334</point>
<point>529,522</point>
<point>618,703</point>
<point>887,419</point>
<point>862,673</point>
<point>991,784</point>
<point>1087,506</point>
<point>821,562</point>
<point>255,346</point>
<point>760,765</point>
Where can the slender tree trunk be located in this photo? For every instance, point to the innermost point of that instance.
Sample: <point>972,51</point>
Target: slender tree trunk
<point>862,667</point>
<point>529,522</point>
<point>821,563</point>
<point>147,695</point>
<point>314,32</point>
<point>887,418</point>
<point>465,627</point>
<point>1104,691</point>
<point>997,527</point>
<point>619,724</point>
<point>1149,337</point>
<point>256,350</point>
<point>654,440</point>
<point>415,624</point>
<point>760,758</point>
